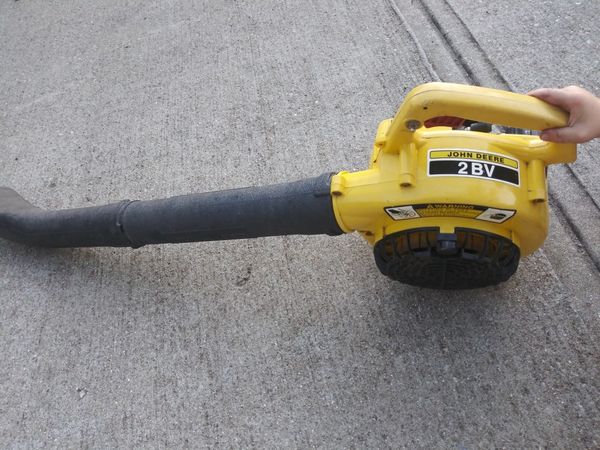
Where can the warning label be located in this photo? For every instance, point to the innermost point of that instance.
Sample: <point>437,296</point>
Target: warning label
<point>450,210</point>
<point>474,164</point>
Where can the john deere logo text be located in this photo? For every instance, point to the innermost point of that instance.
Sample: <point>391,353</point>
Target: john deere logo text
<point>476,164</point>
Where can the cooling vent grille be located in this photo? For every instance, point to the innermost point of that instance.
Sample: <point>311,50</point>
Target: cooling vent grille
<point>464,259</point>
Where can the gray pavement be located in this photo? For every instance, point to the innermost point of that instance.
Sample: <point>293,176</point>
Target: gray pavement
<point>291,341</point>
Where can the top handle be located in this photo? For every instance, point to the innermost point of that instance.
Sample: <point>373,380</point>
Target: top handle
<point>473,103</point>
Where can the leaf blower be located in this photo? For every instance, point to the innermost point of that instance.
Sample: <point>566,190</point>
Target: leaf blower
<point>445,203</point>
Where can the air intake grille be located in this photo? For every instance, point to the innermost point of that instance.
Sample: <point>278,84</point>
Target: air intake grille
<point>464,259</point>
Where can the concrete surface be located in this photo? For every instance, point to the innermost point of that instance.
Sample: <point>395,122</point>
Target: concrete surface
<point>278,342</point>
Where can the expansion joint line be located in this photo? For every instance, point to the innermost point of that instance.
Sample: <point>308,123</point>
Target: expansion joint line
<point>420,50</point>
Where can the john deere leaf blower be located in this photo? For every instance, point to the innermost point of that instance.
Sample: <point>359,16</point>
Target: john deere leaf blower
<point>445,203</point>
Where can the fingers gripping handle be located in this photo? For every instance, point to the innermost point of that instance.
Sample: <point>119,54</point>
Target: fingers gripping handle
<point>481,104</point>
<point>473,103</point>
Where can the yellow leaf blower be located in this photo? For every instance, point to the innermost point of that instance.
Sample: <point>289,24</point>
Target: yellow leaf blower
<point>445,203</point>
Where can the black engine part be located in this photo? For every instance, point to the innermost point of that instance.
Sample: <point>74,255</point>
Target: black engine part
<point>464,259</point>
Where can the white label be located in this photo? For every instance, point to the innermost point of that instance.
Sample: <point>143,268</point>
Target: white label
<point>496,215</point>
<point>402,212</point>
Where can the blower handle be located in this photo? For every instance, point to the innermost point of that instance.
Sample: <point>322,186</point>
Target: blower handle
<point>482,105</point>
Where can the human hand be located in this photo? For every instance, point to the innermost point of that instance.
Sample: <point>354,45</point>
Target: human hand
<point>584,114</point>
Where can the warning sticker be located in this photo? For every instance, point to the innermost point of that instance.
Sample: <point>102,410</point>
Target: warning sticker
<point>402,212</point>
<point>474,164</point>
<point>496,215</point>
<point>450,210</point>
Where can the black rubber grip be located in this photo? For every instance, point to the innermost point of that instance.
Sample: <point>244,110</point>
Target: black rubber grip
<point>300,207</point>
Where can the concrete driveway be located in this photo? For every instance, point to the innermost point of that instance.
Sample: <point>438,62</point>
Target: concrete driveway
<point>287,342</point>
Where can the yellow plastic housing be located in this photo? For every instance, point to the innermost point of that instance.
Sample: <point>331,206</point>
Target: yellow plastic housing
<point>490,182</point>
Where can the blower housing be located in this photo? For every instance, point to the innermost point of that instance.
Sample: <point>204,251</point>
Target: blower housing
<point>445,203</point>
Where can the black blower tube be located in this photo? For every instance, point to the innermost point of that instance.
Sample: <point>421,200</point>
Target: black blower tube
<point>300,207</point>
